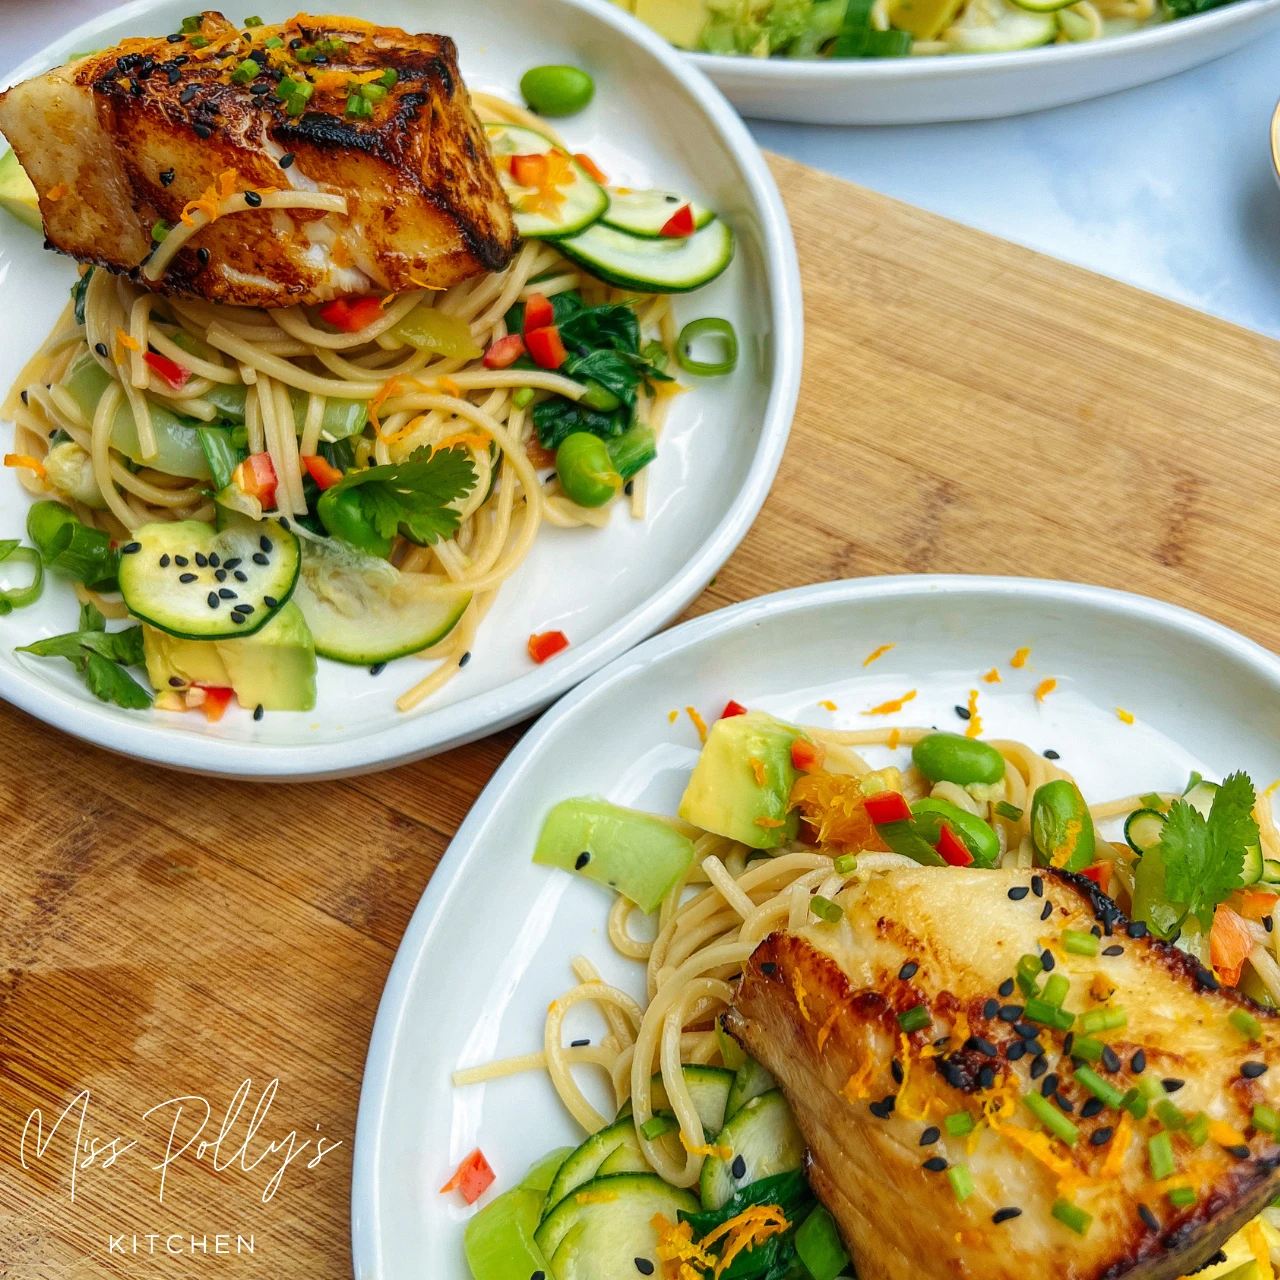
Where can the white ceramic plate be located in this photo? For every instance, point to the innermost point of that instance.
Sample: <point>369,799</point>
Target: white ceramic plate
<point>504,931</point>
<point>980,86</point>
<point>654,121</point>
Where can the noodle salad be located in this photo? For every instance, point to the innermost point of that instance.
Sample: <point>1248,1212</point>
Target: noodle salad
<point>697,1170</point>
<point>353,480</point>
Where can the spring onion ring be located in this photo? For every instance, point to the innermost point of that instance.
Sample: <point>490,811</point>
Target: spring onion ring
<point>713,326</point>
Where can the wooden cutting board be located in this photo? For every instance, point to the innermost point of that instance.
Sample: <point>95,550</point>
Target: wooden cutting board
<point>968,406</point>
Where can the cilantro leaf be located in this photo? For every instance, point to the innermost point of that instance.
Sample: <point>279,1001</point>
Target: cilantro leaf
<point>124,646</point>
<point>112,683</point>
<point>91,618</point>
<point>100,656</point>
<point>413,496</point>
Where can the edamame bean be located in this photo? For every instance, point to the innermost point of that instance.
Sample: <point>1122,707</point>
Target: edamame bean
<point>557,91</point>
<point>585,469</point>
<point>976,835</point>
<point>950,757</point>
<point>1061,828</point>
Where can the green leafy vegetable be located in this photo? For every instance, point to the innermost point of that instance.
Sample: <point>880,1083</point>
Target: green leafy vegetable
<point>100,656</point>
<point>11,551</point>
<point>412,497</point>
<point>776,1258</point>
<point>78,291</point>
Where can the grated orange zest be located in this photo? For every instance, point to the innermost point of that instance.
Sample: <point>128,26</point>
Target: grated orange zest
<point>876,653</point>
<point>388,389</point>
<point>798,987</point>
<point>894,704</point>
<point>718,1150</point>
<point>757,768</point>
<point>993,676</point>
<point>1126,717</point>
<point>1019,659</point>
<point>701,725</point>
<point>825,1030</point>
<point>1045,688</point>
<point>26,461</point>
<point>974,727</point>
<point>827,705</point>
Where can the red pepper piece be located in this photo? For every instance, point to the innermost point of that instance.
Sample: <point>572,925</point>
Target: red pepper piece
<point>1100,874</point>
<point>545,347</point>
<point>473,1178</point>
<point>888,806</point>
<point>546,644</point>
<point>256,476</point>
<point>538,313</point>
<point>215,701</point>
<point>591,167</point>
<point>807,756</point>
<point>529,171</point>
<point>350,315</point>
<point>680,225</point>
<point>732,708</point>
<point>505,352</point>
<point>170,371</point>
<point>321,470</point>
<point>952,849</point>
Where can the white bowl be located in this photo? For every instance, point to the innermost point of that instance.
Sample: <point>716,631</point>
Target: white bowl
<point>654,121</point>
<point>980,86</point>
<point>490,943</point>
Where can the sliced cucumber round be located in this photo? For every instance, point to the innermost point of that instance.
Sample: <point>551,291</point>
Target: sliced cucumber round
<point>709,1088</point>
<point>572,205</point>
<point>652,265</point>
<point>645,213</point>
<point>764,1136</point>
<point>202,583</point>
<point>1270,871</point>
<point>1200,796</point>
<point>1142,829</point>
<point>363,610</point>
<point>749,1081</point>
<point>1251,868</point>
<point>1013,29</point>
<point>600,1230</point>
<point>584,1162</point>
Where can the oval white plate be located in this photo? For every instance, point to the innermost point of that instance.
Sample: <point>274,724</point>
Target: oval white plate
<point>654,121</point>
<point>980,86</point>
<point>504,931</point>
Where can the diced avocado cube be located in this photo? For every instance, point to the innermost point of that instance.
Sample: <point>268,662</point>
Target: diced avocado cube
<point>17,194</point>
<point>635,853</point>
<point>741,785</point>
<point>187,661</point>
<point>679,21</point>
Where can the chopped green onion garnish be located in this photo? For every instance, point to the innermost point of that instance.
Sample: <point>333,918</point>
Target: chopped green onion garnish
<point>332,44</point>
<point>359,108</point>
<point>1151,1088</point>
<point>825,909</point>
<point>522,400</point>
<point>1102,1019</point>
<point>708,327</point>
<point>959,1123</point>
<point>307,53</point>
<point>1007,810</point>
<point>656,1126</point>
<point>1079,944</point>
<point>1246,1024</point>
<point>1055,990</point>
<point>389,78</point>
<point>1171,1115</point>
<point>1181,1196</point>
<point>373,92</point>
<point>1135,1104</point>
<point>1160,1156</point>
<point>1087,1049</point>
<point>915,1019</point>
<point>160,229</point>
<point>1071,1216</point>
<point>1100,1088</point>
<point>253,22</point>
<point>961,1182</point>
<point>245,72</point>
<point>1151,801</point>
<point>1028,975</point>
<point>1197,1130</point>
<point>845,864</point>
<point>274,43</point>
<point>1038,1010</point>
<point>1265,1119</point>
<point>199,42</point>
<point>1051,1118</point>
<point>191,24</point>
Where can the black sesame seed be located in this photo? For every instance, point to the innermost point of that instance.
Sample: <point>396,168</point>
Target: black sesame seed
<point>984,1047</point>
<point>935,1164</point>
<point>1046,957</point>
<point>1006,988</point>
<point>578,1044</point>
<point>629,488</point>
<point>237,617</point>
<point>26,401</point>
<point>213,599</point>
<point>1097,933</point>
<point>739,1167</point>
<point>1018,892</point>
<point>202,560</point>
<point>227,594</point>
<point>1045,914</point>
<point>245,608</point>
<point>258,712</point>
<point>963,712</point>
<point>270,602</point>
<point>986,1077</point>
<point>1091,1108</point>
<point>187,577</point>
<point>1068,1041</point>
<point>466,657</point>
<point>1049,1086</point>
<point>101,349</point>
<point>895,1068</point>
<point>538,1275</point>
<point>181,60</point>
<point>582,859</point>
<point>1051,754</point>
<point>1149,1219</point>
<point>259,89</point>
<point>187,94</point>
<point>176,38</point>
<point>991,1008</point>
<point>940,1041</point>
<point>1138,1063</point>
<point>883,1109</point>
<point>1010,1013</point>
<point>1005,1215</point>
<point>1137,929</point>
<point>1171,1084</point>
<point>1110,1060</point>
<point>264,542</point>
<point>1100,1137</point>
<point>181,561</point>
<point>220,575</point>
<point>130,548</point>
<point>284,522</point>
<point>202,131</point>
<point>213,559</point>
<point>1063,1102</point>
<point>252,199</point>
<point>1240,1151</point>
<point>1035,1049</point>
<point>259,558</point>
<point>202,256</point>
<point>1016,1051</point>
<point>1026,1030</point>
<point>1113,951</point>
<point>174,75</point>
<point>287,159</point>
<point>167,177</point>
<point>239,575</point>
<point>177,682</point>
<point>1252,1070</point>
<point>908,971</point>
<point>644,1266</point>
<point>930,1136</point>
<point>233,563</point>
<point>164,560</point>
<point>1206,979</point>
<point>377,669</point>
<point>135,88</point>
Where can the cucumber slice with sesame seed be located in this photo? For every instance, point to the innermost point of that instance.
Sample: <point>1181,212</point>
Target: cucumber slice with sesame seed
<point>645,213</point>
<point>200,583</point>
<point>762,1139</point>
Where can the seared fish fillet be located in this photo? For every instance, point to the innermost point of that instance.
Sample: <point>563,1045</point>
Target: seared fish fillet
<point>127,138</point>
<point>819,1008</point>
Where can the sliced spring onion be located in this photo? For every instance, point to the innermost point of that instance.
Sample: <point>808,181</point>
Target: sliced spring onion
<point>708,326</point>
<point>1181,1196</point>
<point>1039,1010</point>
<point>656,1126</point>
<point>1028,975</point>
<point>845,864</point>
<point>1134,1103</point>
<point>1151,1088</point>
<point>12,552</point>
<point>71,548</point>
<point>1197,1130</point>
<point>1078,943</point>
<point>1010,811</point>
<point>1051,1118</point>
<point>1151,801</point>
<point>1160,1156</point>
<point>160,228</point>
<point>825,909</point>
<point>1265,1119</point>
<point>1055,990</point>
<point>1171,1115</point>
<point>523,398</point>
<point>961,1182</point>
<point>1102,1019</point>
<point>1246,1024</point>
<point>819,1247</point>
<point>1101,1089</point>
<point>915,1019</point>
<point>959,1123</point>
<point>1072,1216</point>
<point>1087,1049</point>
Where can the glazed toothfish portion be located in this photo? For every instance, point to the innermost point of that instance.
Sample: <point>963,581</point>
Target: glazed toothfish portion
<point>242,125</point>
<point>984,1096</point>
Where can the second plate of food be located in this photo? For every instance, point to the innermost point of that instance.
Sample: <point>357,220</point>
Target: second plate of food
<point>892,807</point>
<point>641,302</point>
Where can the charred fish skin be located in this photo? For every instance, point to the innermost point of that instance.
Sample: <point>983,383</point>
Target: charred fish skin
<point>820,1009</point>
<point>129,138</point>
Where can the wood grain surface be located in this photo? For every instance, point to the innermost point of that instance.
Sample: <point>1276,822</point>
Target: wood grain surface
<point>967,406</point>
